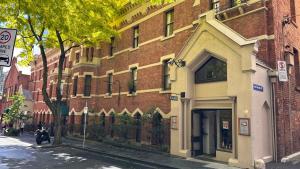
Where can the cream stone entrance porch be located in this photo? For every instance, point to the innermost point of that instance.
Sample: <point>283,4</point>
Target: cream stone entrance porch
<point>218,78</point>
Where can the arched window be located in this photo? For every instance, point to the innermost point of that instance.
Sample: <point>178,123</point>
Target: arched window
<point>157,129</point>
<point>138,124</point>
<point>213,70</point>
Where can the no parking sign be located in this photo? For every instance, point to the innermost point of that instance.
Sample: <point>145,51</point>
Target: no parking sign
<point>7,43</point>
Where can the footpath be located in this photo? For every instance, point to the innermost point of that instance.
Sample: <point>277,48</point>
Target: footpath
<point>155,159</point>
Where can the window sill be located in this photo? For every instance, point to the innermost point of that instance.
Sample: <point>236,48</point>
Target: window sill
<point>111,57</point>
<point>165,91</point>
<point>107,96</point>
<point>133,49</point>
<point>224,150</point>
<point>131,94</point>
<point>297,88</point>
<point>86,97</point>
<point>168,37</point>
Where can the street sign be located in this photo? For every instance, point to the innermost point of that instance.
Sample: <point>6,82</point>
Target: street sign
<point>7,43</point>
<point>257,87</point>
<point>175,98</point>
<point>282,71</point>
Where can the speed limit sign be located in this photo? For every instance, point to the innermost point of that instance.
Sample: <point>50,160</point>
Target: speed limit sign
<point>7,43</point>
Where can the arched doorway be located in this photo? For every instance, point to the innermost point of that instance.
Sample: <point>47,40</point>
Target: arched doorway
<point>71,123</point>
<point>112,123</point>
<point>157,129</point>
<point>138,125</point>
<point>82,123</point>
<point>44,117</point>
<point>102,120</point>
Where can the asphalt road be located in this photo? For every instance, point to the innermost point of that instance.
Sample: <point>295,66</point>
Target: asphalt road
<point>22,153</point>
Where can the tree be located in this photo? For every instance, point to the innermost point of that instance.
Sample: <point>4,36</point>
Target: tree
<point>13,113</point>
<point>64,24</point>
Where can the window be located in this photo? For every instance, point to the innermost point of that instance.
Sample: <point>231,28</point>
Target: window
<point>40,74</point>
<point>77,57</point>
<point>37,96</point>
<point>55,66</point>
<point>166,75</point>
<point>133,82</point>
<point>65,63</point>
<point>297,68</point>
<point>87,50</point>
<point>216,5</point>
<point>50,90</point>
<point>75,86</point>
<point>92,54</point>
<point>87,85</point>
<point>109,86</point>
<point>135,37</point>
<point>293,10</point>
<point>169,23</point>
<point>225,129</point>
<point>112,46</point>
<point>213,70</point>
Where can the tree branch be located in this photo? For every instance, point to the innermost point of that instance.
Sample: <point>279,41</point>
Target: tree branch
<point>42,33</point>
<point>45,76</point>
<point>74,46</point>
<point>32,29</point>
<point>60,65</point>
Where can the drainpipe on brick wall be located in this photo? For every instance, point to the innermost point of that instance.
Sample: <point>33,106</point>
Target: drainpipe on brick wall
<point>273,75</point>
<point>274,124</point>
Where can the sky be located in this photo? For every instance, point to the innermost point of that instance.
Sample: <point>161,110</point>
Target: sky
<point>25,70</point>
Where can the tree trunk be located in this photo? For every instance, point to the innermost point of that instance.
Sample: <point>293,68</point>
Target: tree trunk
<point>57,126</point>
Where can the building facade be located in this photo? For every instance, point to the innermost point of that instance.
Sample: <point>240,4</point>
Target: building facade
<point>16,82</point>
<point>216,60</point>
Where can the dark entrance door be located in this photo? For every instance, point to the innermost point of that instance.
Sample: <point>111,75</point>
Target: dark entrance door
<point>197,141</point>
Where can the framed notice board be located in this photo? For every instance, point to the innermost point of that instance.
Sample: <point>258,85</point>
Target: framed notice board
<point>244,126</point>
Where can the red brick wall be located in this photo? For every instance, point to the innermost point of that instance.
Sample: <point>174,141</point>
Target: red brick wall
<point>288,123</point>
<point>13,81</point>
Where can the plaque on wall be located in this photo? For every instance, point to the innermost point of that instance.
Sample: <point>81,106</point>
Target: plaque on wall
<point>174,122</point>
<point>244,126</point>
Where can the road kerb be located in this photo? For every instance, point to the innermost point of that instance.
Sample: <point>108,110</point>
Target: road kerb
<point>122,157</point>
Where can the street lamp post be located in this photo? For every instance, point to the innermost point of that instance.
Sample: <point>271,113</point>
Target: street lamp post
<point>85,111</point>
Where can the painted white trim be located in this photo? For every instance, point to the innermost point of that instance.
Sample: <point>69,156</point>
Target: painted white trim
<point>137,110</point>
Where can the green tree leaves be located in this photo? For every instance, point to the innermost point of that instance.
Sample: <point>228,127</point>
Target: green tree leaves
<point>13,114</point>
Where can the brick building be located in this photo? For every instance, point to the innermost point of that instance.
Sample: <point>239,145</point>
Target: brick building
<point>16,82</point>
<point>217,57</point>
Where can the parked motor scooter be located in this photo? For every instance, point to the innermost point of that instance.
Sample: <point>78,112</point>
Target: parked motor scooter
<point>41,135</point>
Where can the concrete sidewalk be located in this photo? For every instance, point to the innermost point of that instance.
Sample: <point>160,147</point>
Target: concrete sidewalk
<point>158,160</point>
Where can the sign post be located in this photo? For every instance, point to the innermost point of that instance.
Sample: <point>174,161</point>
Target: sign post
<point>7,43</point>
<point>282,71</point>
<point>85,111</point>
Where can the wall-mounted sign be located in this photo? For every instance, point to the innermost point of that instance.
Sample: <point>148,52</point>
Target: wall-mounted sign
<point>244,126</point>
<point>174,98</point>
<point>7,43</point>
<point>257,87</point>
<point>174,122</point>
<point>282,71</point>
